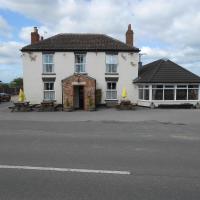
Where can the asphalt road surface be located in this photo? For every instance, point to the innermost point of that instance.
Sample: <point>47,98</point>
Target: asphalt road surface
<point>163,160</point>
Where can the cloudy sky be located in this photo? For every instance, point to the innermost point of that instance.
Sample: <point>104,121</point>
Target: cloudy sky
<point>163,28</point>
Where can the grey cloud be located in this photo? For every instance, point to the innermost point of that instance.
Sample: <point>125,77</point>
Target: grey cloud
<point>5,29</point>
<point>176,24</point>
<point>9,53</point>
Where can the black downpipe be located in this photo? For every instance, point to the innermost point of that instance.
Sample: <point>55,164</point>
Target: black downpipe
<point>62,96</point>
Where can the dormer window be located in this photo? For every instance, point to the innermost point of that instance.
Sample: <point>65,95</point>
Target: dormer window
<point>48,65</point>
<point>80,61</point>
<point>111,63</point>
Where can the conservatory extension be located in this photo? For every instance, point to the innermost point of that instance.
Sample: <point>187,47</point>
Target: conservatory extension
<point>164,82</point>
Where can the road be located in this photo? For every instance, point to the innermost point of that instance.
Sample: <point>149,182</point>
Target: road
<point>162,158</point>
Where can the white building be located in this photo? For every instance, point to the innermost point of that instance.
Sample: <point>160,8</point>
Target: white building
<point>110,62</point>
<point>83,69</point>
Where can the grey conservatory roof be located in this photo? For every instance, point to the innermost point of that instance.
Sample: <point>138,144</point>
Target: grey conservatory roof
<point>165,71</point>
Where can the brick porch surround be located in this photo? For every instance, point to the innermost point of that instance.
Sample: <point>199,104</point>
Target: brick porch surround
<point>87,82</point>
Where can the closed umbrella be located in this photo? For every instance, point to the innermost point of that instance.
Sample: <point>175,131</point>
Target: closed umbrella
<point>21,97</point>
<point>124,93</point>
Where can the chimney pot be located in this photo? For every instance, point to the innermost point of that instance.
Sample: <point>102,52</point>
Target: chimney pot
<point>35,29</point>
<point>129,36</point>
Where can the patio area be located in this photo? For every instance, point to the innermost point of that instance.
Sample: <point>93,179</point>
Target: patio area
<point>174,116</point>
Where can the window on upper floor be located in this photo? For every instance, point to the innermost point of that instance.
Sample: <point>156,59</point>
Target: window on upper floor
<point>48,65</point>
<point>80,61</point>
<point>111,63</point>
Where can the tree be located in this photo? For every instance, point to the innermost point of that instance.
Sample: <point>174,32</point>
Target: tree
<point>17,83</point>
<point>4,87</point>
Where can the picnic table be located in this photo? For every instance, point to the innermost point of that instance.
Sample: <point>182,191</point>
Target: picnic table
<point>20,107</point>
<point>47,106</point>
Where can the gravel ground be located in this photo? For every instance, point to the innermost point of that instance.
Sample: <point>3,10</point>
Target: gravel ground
<point>176,116</point>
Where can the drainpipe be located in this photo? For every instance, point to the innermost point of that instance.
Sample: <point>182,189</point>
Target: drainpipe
<point>62,95</point>
<point>95,94</point>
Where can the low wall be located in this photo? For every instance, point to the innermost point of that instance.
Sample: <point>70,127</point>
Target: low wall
<point>157,103</point>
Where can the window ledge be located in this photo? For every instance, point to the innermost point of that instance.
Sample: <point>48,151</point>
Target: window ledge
<point>143,100</point>
<point>82,73</point>
<point>48,100</point>
<point>114,74</point>
<point>111,99</point>
<point>49,74</point>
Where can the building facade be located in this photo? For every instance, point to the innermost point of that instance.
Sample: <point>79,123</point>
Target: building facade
<point>70,68</point>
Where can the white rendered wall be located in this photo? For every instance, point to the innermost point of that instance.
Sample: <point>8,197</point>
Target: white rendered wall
<point>64,67</point>
<point>128,71</point>
<point>95,67</point>
<point>166,102</point>
<point>32,77</point>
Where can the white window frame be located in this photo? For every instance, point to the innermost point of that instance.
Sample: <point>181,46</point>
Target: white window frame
<point>188,88</point>
<point>47,63</point>
<point>182,88</point>
<point>175,91</point>
<point>166,87</point>
<point>158,89</point>
<point>80,66</point>
<point>143,88</point>
<point>111,91</point>
<point>195,88</point>
<point>49,91</point>
<point>111,63</point>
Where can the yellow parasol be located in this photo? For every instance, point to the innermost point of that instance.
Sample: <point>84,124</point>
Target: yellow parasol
<point>21,97</point>
<point>124,93</point>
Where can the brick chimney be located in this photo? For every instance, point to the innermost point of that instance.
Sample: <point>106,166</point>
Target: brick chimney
<point>129,36</point>
<point>35,37</point>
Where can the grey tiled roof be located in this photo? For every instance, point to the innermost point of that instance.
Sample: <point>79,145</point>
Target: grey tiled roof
<point>80,42</point>
<point>165,71</point>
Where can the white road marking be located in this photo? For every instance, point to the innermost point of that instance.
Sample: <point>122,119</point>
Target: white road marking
<point>185,137</point>
<point>64,169</point>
